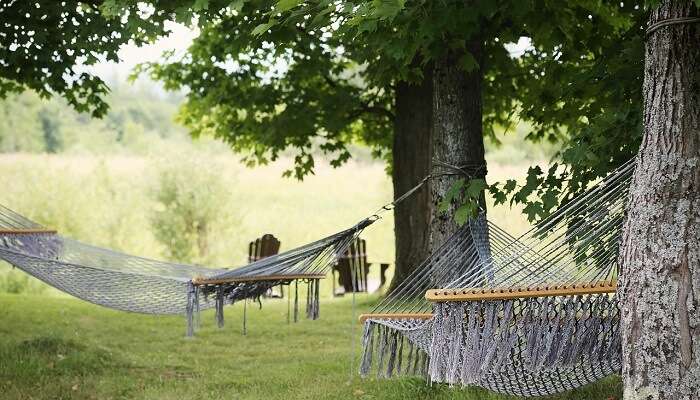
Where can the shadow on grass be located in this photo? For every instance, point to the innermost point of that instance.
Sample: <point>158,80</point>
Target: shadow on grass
<point>63,368</point>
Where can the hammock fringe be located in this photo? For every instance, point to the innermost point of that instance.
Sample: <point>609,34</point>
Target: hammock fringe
<point>471,340</point>
<point>390,353</point>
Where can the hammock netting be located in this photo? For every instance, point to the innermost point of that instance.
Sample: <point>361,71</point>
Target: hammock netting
<point>528,316</point>
<point>130,283</point>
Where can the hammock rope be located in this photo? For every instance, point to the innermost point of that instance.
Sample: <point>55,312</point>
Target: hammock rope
<point>136,284</point>
<point>528,316</point>
<point>532,315</point>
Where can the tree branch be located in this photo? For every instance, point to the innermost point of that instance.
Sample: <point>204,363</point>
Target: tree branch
<point>367,109</point>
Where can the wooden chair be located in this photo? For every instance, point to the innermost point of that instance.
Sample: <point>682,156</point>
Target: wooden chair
<point>265,246</point>
<point>353,264</point>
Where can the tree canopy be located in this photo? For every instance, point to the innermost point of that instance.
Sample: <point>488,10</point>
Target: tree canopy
<point>264,92</point>
<point>579,83</point>
<point>268,75</point>
<point>46,45</point>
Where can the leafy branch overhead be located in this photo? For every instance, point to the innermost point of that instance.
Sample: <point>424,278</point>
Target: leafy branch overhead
<point>302,77</point>
<point>268,91</point>
<point>47,45</point>
<point>579,84</point>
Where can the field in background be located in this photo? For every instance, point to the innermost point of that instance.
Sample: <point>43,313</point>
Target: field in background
<point>109,201</point>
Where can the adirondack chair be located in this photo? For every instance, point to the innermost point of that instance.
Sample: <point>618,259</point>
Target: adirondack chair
<point>353,264</point>
<point>265,246</point>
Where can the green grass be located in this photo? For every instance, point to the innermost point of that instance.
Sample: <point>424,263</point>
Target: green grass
<point>61,348</point>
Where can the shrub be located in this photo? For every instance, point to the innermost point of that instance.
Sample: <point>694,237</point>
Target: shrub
<point>191,206</point>
<point>17,282</point>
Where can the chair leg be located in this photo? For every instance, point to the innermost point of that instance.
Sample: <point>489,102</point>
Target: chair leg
<point>382,271</point>
<point>334,279</point>
<point>365,278</point>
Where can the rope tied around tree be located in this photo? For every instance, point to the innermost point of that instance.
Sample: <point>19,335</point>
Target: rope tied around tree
<point>669,22</point>
<point>469,171</point>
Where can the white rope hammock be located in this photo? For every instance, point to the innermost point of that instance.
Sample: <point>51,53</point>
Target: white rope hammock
<point>130,283</point>
<point>530,316</point>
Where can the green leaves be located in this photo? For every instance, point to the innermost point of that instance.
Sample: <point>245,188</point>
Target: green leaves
<point>510,185</point>
<point>464,212</point>
<point>45,41</point>
<point>468,62</point>
<point>387,9</point>
<point>475,188</point>
<point>200,5</point>
<point>453,193</point>
<point>237,5</point>
<point>293,90</point>
<point>286,5</point>
<point>467,195</point>
<point>533,210</point>
<point>262,28</point>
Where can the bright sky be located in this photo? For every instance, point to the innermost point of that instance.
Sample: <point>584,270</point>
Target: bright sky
<point>131,55</point>
<point>179,40</point>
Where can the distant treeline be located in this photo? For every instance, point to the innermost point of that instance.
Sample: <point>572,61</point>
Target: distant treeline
<point>138,117</point>
<point>142,118</point>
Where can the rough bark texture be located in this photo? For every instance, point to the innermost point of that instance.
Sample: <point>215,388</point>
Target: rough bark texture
<point>411,163</point>
<point>660,253</point>
<point>457,132</point>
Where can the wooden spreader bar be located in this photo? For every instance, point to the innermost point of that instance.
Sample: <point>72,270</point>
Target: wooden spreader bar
<point>198,281</point>
<point>26,231</point>
<point>472,294</point>
<point>365,317</point>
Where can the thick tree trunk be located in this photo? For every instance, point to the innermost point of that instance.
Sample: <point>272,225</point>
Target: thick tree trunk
<point>457,134</point>
<point>660,253</point>
<point>411,163</point>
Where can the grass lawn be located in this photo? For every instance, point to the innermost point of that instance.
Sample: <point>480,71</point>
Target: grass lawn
<point>62,348</point>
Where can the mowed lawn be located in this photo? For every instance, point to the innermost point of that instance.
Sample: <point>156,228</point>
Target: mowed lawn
<point>62,348</point>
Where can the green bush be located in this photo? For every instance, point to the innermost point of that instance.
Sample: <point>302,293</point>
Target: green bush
<point>191,209</point>
<point>17,282</point>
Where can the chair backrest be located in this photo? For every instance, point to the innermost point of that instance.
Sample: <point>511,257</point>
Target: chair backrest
<point>354,259</point>
<point>265,246</point>
<point>357,252</point>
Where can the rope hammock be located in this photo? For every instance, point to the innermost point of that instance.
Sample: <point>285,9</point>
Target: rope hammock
<point>531,316</point>
<point>130,283</point>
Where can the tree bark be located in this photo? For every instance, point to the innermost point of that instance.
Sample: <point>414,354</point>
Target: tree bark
<point>660,254</point>
<point>457,134</point>
<point>411,163</point>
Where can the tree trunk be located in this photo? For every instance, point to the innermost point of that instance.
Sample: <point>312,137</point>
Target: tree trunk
<point>660,254</point>
<point>411,163</point>
<point>457,134</point>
